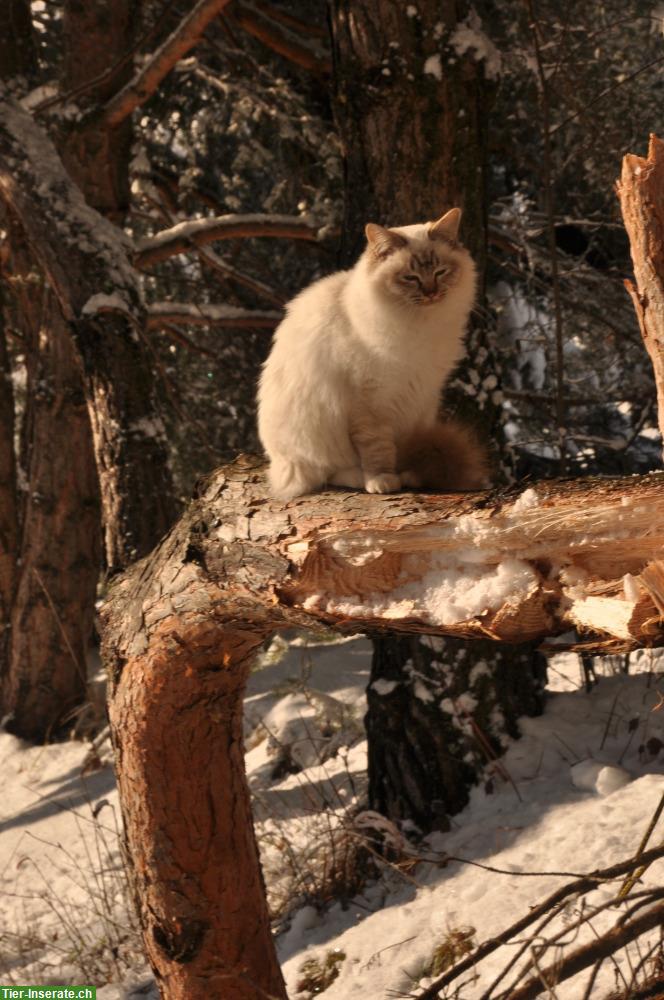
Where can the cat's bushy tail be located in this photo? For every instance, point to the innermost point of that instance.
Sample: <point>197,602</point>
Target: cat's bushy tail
<point>446,457</point>
<point>290,478</point>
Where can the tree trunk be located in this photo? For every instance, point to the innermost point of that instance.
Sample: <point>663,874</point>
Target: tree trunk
<point>48,582</point>
<point>8,500</point>
<point>98,39</point>
<point>176,714</point>
<point>413,134</point>
<point>414,128</point>
<point>51,622</point>
<point>439,714</point>
<point>641,192</point>
<point>181,627</point>
<point>81,254</point>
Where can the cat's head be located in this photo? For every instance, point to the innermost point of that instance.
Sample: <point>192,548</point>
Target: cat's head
<point>418,265</point>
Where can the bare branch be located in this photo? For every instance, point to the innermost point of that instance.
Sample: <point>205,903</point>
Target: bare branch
<point>282,39</point>
<point>161,62</point>
<point>582,957</point>
<point>181,237</point>
<point>633,877</point>
<point>206,314</point>
<point>228,273</point>
<point>181,338</point>
<point>581,885</point>
<point>294,23</point>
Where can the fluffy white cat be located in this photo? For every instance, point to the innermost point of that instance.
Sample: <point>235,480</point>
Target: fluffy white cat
<point>351,391</point>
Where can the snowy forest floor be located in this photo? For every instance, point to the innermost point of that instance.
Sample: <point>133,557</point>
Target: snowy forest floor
<point>575,793</point>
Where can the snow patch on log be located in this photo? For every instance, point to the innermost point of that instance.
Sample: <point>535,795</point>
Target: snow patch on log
<point>526,501</point>
<point>439,593</point>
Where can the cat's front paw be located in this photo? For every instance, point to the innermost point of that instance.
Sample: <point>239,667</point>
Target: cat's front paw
<point>383,482</point>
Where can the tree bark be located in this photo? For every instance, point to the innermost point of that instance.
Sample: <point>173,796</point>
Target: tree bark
<point>48,568</point>
<point>641,192</point>
<point>56,580</point>
<point>178,716</point>
<point>413,134</point>
<point>85,259</point>
<point>413,118</point>
<point>181,627</point>
<point>98,41</point>
<point>8,499</point>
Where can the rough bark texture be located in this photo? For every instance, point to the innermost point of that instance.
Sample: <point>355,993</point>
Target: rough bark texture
<point>51,623</point>
<point>177,720</point>
<point>641,191</point>
<point>48,569</point>
<point>98,40</point>
<point>408,152</point>
<point>8,498</point>
<point>85,260</point>
<point>17,56</point>
<point>181,626</point>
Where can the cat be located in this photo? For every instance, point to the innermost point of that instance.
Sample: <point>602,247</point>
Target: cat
<point>350,393</point>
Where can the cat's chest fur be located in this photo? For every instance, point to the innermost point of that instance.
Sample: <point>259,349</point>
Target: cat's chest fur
<point>400,357</point>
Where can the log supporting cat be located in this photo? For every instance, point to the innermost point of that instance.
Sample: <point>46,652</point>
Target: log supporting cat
<point>351,391</point>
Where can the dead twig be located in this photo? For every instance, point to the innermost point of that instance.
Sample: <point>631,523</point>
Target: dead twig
<point>581,885</point>
<point>636,875</point>
<point>586,955</point>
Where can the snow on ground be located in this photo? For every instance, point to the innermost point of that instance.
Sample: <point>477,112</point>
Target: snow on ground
<point>586,777</point>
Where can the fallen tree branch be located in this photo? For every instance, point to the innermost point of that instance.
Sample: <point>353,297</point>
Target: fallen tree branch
<point>161,62</point>
<point>182,627</point>
<point>197,232</point>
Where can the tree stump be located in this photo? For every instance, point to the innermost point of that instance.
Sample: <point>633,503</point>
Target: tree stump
<point>182,626</point>
<point>440,713</point>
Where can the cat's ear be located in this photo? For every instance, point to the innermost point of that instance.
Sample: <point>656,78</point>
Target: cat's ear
<point>382,241</point>
<point>447,226</point>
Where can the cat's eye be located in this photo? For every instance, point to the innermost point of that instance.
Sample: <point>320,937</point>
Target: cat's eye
<point>411,277</point>
<point>441,272</point>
